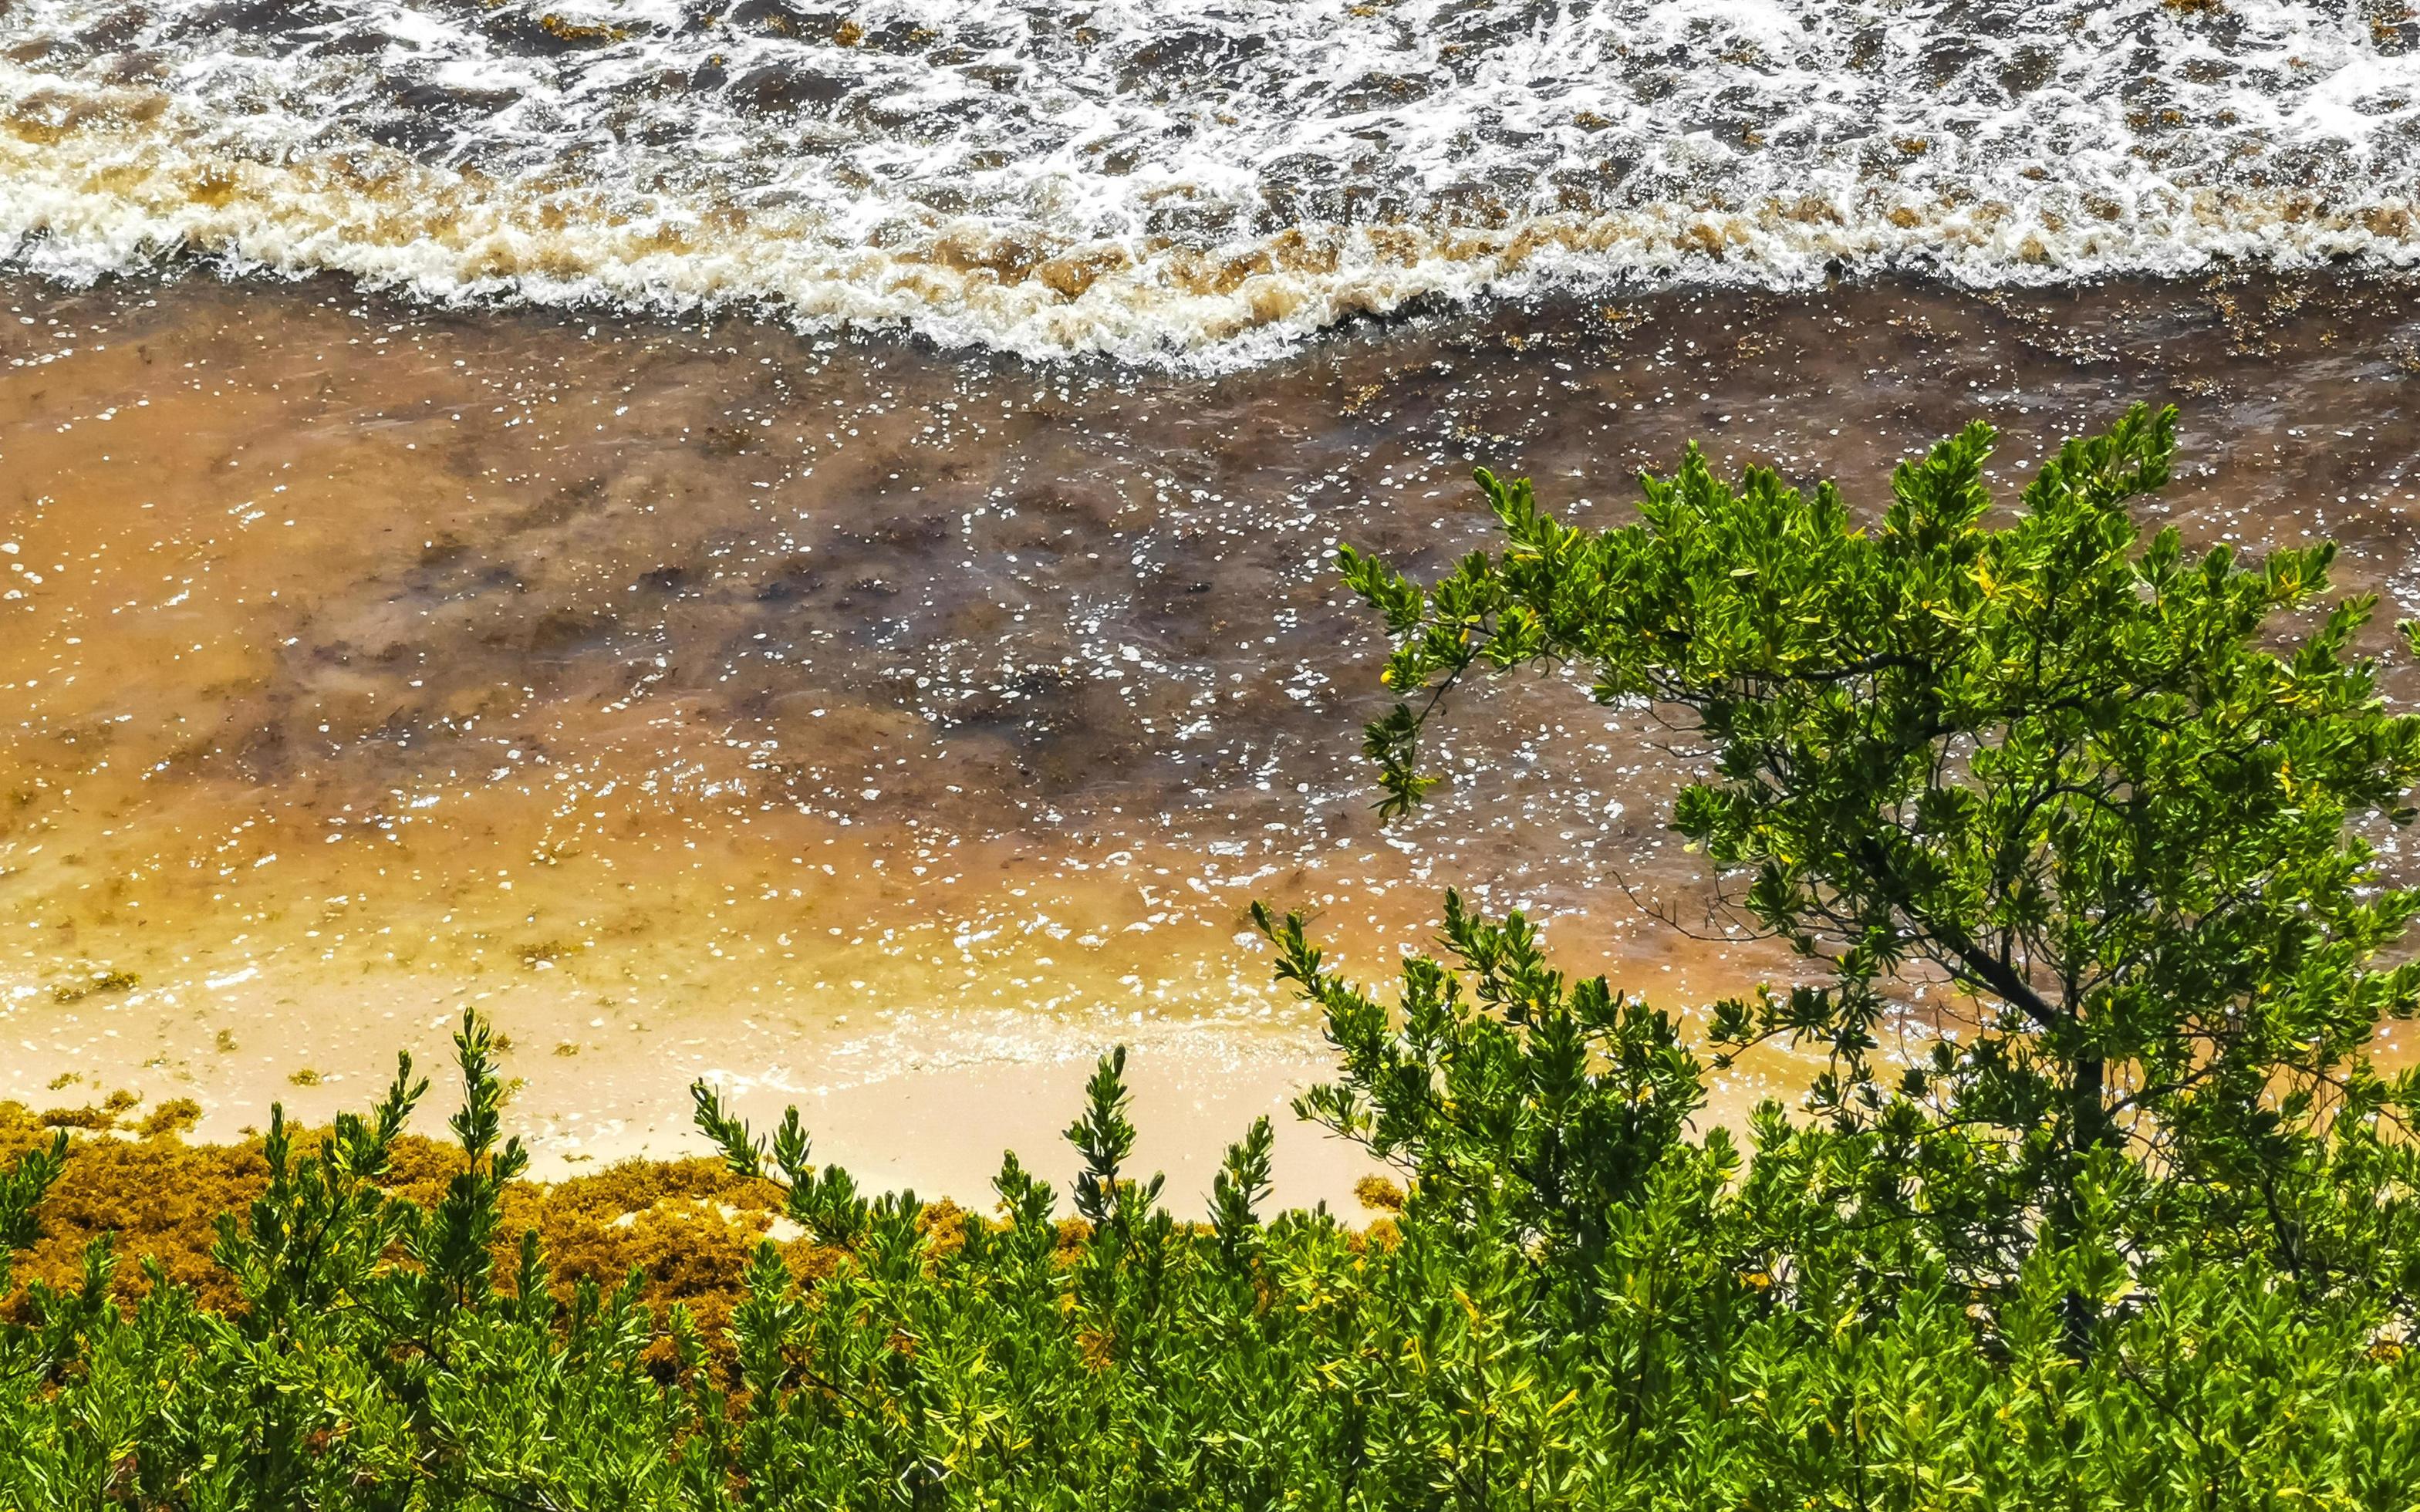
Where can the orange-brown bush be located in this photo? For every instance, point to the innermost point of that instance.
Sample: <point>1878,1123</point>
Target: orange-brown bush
<point>687,1226</point>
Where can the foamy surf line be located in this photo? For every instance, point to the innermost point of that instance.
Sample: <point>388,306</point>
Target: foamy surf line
<point>1168,186</point>
<point>1219,309</point>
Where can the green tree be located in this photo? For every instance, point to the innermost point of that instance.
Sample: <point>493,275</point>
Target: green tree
<point>1519,1105</point>
<point>2090,783</point>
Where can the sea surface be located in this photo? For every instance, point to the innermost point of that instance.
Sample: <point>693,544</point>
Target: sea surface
<point>794,545</point>
<point>1172,182</point>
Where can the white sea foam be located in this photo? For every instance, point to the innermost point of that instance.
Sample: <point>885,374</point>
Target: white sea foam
<point>1159,180</point>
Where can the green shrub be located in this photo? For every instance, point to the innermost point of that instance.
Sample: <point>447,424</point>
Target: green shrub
<point>2067,776</point>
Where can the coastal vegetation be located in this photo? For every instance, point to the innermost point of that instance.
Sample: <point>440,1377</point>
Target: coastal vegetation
<point>2080,839</point>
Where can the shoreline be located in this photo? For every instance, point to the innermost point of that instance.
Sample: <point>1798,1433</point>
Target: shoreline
<point>841,715</point>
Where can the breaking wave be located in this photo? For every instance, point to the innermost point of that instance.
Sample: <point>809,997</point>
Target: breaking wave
<point>1161,180</point>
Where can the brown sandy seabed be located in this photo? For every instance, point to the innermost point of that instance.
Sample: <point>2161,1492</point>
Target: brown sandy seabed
<point>886,730</point>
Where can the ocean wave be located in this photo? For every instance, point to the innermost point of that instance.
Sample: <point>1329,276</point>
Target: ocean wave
<point>1164,183</point>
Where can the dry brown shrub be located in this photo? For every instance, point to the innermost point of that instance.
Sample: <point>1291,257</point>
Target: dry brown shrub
<point>86,1116</point>
<point>1073,1234</point>
<point>1382,1234</point>
<point>160,1198</point>
<point>162,1195</point>
<point>1377,1193</point>
<point>687,1226</point>
<point>174,1117</point>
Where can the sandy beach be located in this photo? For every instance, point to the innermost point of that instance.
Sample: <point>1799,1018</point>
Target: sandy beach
<point>891,731</point>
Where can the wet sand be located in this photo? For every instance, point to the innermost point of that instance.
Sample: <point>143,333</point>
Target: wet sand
<point>889,730</point>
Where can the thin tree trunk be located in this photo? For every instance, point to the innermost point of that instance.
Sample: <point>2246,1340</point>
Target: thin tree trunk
<point>2088,1129</point>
